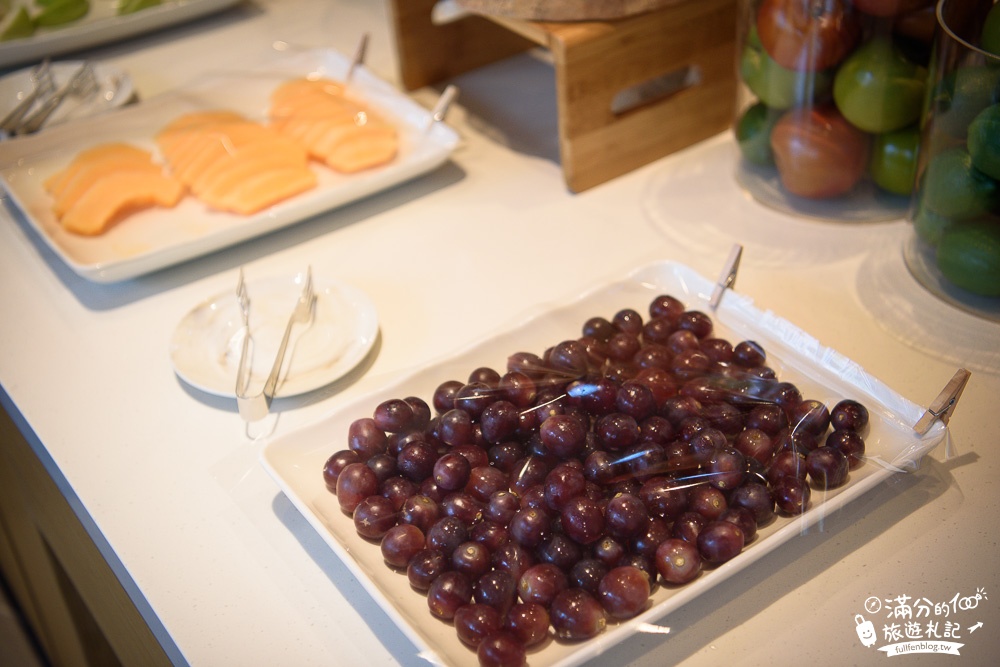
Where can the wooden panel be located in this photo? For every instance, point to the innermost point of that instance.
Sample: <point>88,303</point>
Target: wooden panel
<point>565,10</point>
<point>594,62</point>
<point>27,565</point>
<point>73,600</point>
<point>429,53</point>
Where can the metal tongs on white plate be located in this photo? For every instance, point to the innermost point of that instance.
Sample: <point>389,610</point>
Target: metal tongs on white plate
<point>43,83</point>
<point>254,407</point>
<point>82,84</point>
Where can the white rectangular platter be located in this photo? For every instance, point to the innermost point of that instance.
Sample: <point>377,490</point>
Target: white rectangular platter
<point>156,238</point>
<point>296,460</point>
<point>102,25</point>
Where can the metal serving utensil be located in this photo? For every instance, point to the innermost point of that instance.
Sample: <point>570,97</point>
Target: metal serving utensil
<point>82,83</point>
<point>257,406</point>
<point>43,84</point>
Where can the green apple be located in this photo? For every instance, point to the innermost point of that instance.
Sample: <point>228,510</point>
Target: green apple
<point>954,189</point>
<point>753,133</point>
<point>777,86</point>
<point>984,141</point>
<point>969,256</point>
<point>962,95</point>
<point>877,89</point>
<point>991,31</point>
<point>893,164</point>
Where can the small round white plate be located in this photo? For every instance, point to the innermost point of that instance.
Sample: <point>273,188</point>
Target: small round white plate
<point>114,88</point>
<point>205,348</point>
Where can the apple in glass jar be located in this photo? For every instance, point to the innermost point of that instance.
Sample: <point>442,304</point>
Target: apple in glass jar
<point>878,89</point>
<point>818,153</point>
<point>776,86</point>
<point>808,35</point>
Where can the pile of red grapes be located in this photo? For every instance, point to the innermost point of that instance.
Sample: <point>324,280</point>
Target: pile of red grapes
<point>547,499</point>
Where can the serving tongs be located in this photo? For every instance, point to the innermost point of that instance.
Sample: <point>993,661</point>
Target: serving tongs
<point>43,84</point>
<point>254,407</point>
<point>82,84</point>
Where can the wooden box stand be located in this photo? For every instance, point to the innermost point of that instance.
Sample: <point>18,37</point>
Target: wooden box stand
<point>628,91</point>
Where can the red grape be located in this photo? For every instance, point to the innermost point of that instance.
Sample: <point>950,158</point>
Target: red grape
<point>576,614</point>
<point>678,561</point>
<point>624,592</point>
<point>556,494</point>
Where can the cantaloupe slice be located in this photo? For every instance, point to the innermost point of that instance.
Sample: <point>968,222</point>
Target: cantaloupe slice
<point>225,148</point>
<point>294,88</point>
<point>84,159</point>
<point>354,149</point>
<point>336,130</point>
<point>215,154</point>
<point>93,171</point>
<point>267,188</point>
<point>248,160</point>
<point>196,119</point>
<point>118,194</point>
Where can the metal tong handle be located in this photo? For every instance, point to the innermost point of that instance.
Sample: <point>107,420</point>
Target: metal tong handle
<point>256,407</point>
<point>300,315</point>
<point>41,76</point>
<point>82,81</point>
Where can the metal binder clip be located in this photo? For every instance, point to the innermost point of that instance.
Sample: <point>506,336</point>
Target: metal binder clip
<point>359,56</point>
<point>728,276</point>
<point>944,405</point>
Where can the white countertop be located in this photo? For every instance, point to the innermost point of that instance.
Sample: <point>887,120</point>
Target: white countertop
<point>228,572</point>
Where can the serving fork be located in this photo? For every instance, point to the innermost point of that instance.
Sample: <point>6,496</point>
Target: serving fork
<point>43,84</point>
<point>257,406</point>
<point>81,84</point>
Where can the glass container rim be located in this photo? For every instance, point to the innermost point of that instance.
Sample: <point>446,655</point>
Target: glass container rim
<point>939,13</point>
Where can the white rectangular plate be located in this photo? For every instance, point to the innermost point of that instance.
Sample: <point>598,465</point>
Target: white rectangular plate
<point>155,238</point>
<point>296,460</point>
<point>102,25</point>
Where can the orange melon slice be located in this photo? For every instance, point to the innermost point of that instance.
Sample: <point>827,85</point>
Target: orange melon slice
<point>215,154</point>
<point>353,149</point>
<point>268,188</point>
<point>336,130</point>
<point>248,160</point>
<point>90,173</point>
<point>118,194</point>
<point>294,88</point>
<point>55,184</point>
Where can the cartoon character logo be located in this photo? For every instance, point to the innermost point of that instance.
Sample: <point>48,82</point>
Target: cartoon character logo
<point>866,631</point>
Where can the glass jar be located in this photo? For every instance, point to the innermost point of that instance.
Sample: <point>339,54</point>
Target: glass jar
<point>830,99</point>
<point>954,247</point>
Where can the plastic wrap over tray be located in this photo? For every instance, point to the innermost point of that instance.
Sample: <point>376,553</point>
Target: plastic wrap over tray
<point>296,460</point>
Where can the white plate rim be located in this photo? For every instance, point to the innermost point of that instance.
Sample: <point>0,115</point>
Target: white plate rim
<point>363,337</point>
<point>152,240</point>
<point>294,456</point>
<point>102,26</point>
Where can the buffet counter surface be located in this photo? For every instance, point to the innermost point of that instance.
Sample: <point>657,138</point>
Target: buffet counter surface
<point>224,570</point>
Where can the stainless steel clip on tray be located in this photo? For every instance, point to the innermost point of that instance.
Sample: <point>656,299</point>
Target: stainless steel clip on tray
<point>359,56</point>
<point>444,102</point>
<point>728,276</point>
